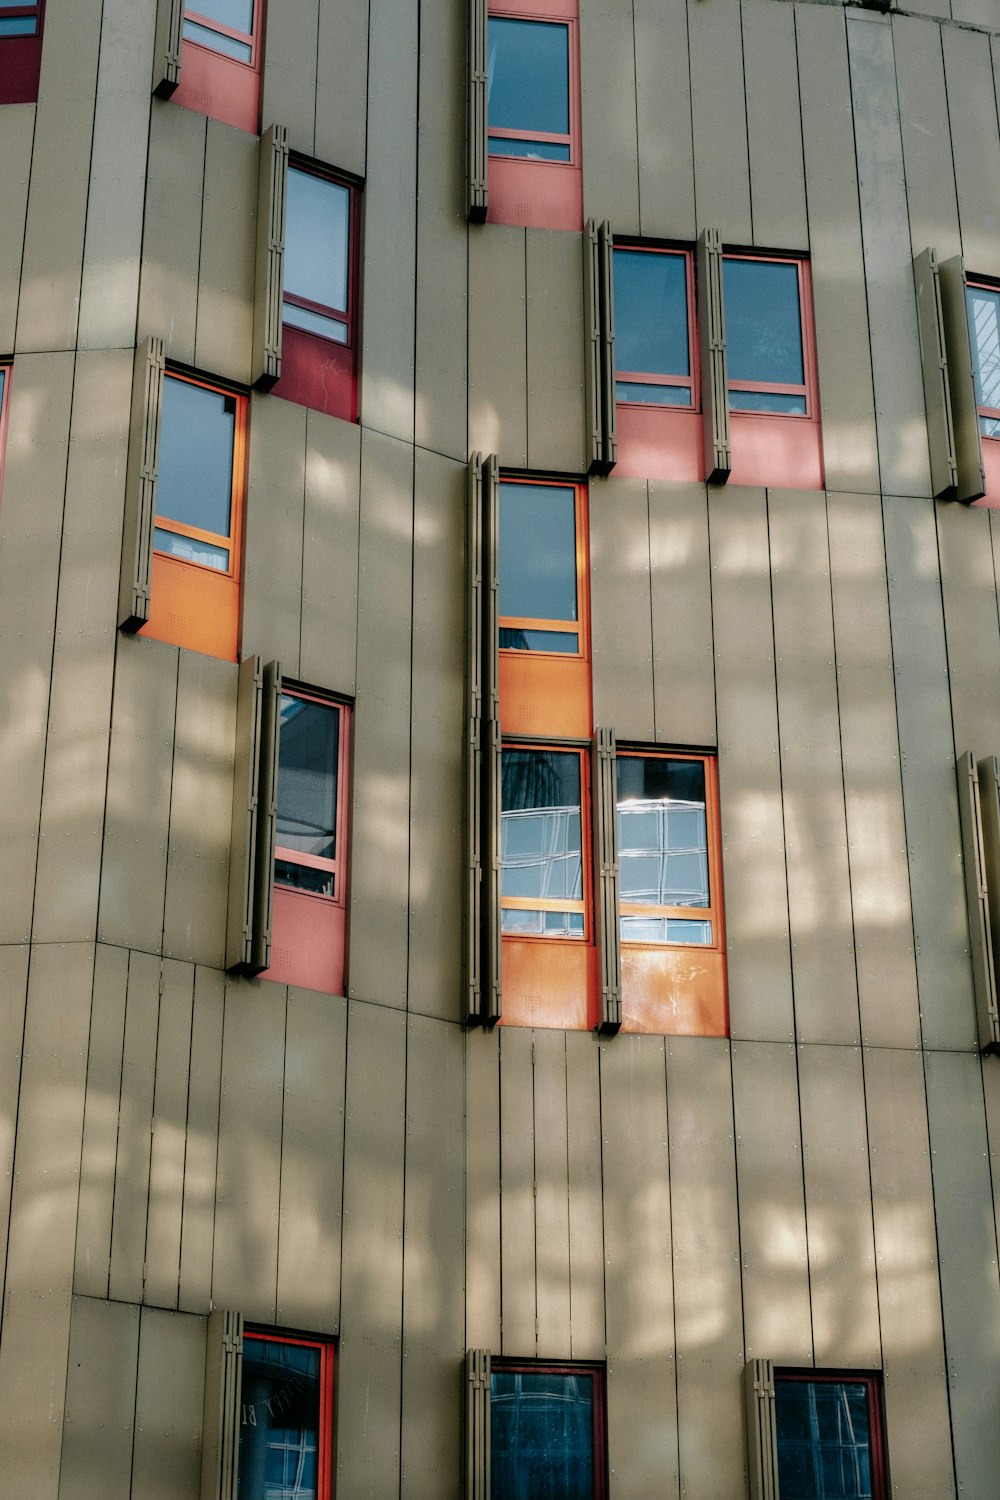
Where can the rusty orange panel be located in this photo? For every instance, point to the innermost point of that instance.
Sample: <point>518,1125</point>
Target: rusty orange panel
<point>195,608</point>
<point>547,695</point>
<point>549,983</point>
<point>674,991</point>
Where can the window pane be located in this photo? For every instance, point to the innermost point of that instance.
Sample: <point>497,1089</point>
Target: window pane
<point>197,434</point>
<point>236,14</point>
<point>824,1445</point>
<point>984,318</point>
<point>317,235</point>
<point>528,76</point>
<point>18,25</point>
<point>763,321</point>
<point>541,1436</point>
<point>538,552</point>
<point>653,395</point>
<point>662,832</point>
<point>665,930</point>
<point>651,315</point>
<point>767,401</point>
<point>563,641</point>
<point>541,838</point>
<point>190,549</point>
<point>307,776</point>
<point>218,41</point>
<point>3,377</point>
<point>505,145</point>
<point>279,1431</point>
<point>313,322</point>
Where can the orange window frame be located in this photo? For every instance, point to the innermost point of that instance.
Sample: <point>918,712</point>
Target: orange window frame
<point>585,904</point>
<point>580,627</point>
<point>692,381</point>
<point>324,1439</point>
<point>234,541</point>
<point>249,38</point>
<point>338,865</point>
<point>807,335</point>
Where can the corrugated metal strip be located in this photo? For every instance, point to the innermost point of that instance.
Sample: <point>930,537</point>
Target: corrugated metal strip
<point>477,1424</point>
<point>246,794</point>
<point>272,198</point>
<point>609,416</point>
<point>167,47</point>
<point>270,730</point>
<point>492,1000</point>
<point>937,386</point>
<point>477,111</point>
<point>714,372</point>
<point>593,347</point>
<point>473,738</point>
<point>762,1438</point>
<point>971,476</point>
<point>977,901</point>
<point>603,793</point>
<point>223,1381</point>
<point>140,488</point>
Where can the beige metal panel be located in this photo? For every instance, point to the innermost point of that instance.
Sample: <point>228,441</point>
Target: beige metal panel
<point>924,126</point>
<point>433,1263</point>
<point>440,415</point>
<point>30,522</point>
<point>342,86</point>
<point>224,331</point>
<point>38,1291</point>
<point>812,774</point>
<point>388,309</point>
<point>133,871</point>
<point>202,1142</point>
<point>288,83</point>
<point>161,1269</point>
<point>969,592</point>
<point>76,747</point>
<point>48,313</point>
<point>13,990</point>
<point>517,1193</point>
<point>869,738</point>
<point>482,1188</point>
<point>839,1221</point>
<point>937,385</point>
<point>100,1401</point>
<point>774,126</point>
<point>552,1251</point>
<point>975,145</point>
<point>680,574</point>
<point>437,887</point>
<point>194,920</point>
<point>663,112</point>
<point>100,1122</point>
<point>608,114</point>
<point>15,172</point>
<point>498,355</point>
<point>991,1096</point>
<point>272,560</point>
<point>135,1126</point>
<point>772,1204</point>
<point>330,553</point>
<point>927,763</point>
<point>269,258</point>
<point>171,239</point>
<point>642,1392</point>
<point>753,851</point>
<point>621,633</point>
<point>166,1460</point>
<point>721,157</point>
<point>847,401</point>
<point>586,1221</point>
<point>909,1299</point>
<point>379,886</point>
<point>109,291</point>
<point>967,1246</point>
<point>245,1252</point>
<point>312,1162</point>
<point>895,347</point>
<point>706,1263</point>
<point>371,1287</point>
<point>555,333</point>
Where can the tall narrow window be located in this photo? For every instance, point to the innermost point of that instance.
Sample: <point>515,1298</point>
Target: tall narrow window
<point>286,1427</point>
<point>830,1441</point>
<point>654,343</point>
<point>984,323</point>
<point>20,50</point>
<point>221,60</point>
<point>542,890</point>
<point>547,1432</point>
<point>764,341</point>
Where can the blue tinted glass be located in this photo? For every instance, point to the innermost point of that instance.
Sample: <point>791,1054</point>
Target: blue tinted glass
<point>763,321</point>
<point>984,320</point>
<point>541,1436</point>
<point>538,552</point>
<point>824,1446</point>
<point>652,395</point>
<point>516,639</point>
<point>3,377</point>
<point>767,401</point>
<point>17,25</point>
<point>197,432</point>
<point>190,549</point>
<point>279,1428</point>
<point>317,237</point>
<point>236,14</point>
<point>651,313</point>
<point>528,75</point>
<point>308,748</point>
<point>218,41</point>
<point>505,145</point>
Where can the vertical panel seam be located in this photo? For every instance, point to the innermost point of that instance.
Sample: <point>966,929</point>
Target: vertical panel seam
<point>170,802</point>
<point>665,1043</point>
<point>281,1151</point>
<point>24,228</point>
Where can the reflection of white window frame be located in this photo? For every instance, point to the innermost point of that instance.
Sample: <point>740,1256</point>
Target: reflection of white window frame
<point>554,857</point>
<point>664,850</point>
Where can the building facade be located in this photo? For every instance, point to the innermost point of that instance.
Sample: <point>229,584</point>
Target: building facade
<point>501,680</point>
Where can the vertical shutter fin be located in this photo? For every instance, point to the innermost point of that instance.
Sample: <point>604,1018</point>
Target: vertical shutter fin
<point>937,385</point>
<point>267,816</point>
<point>140,485</point>
<point>473,738</point>
<point>269,279</point>
<point>762,1436</point>
<point>977,902</point>
<point>477,1424</point>
<point>607,276</point>
<point>167,47</point>
<point>603,797</point>
<point>989,807</point>
<point>476,143</point>
<point>714,370</point>
<point>220,1449</point>
<point>492,754</point>
<point>246,798</point>
<point>971,476</point>
<point>593,347</point>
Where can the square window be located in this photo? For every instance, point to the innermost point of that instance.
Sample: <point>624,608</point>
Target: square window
<point>286,1418</point>
<point>829,1430</point>
<point>21,23</point>
<point>547,1432</point>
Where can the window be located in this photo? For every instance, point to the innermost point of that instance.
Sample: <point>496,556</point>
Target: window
<point>221,61</point>
<point>984,322</point>
<point>764,338</point>
<point>286,1418</point>
<point>547,1432</point>
<point>21,24</point>
<point>654,334</point>
<point>544,858</point>
<point>829,1431</point>
<point>197,530</point>
<point>225,26</point>
<point>319,301</point>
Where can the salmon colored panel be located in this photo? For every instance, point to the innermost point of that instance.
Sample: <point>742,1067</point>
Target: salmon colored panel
<point>991,466</point>
<point>673,991</point>
<point>545,695</point>
<point>775,451</point>
<point>659,442</point>
<point>219,87</point>
<point>194,607</point>
<point>535,194</point>
<point>317,373</point>
<point>549,983</point>
<point>307,941</point>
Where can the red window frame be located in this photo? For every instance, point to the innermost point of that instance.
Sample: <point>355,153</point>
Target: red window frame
<point>248,38</point>
<point>324,1446</point>
<point>316,371</point>
<point>872,1381</point>
<point>585,904</point>
<point>806,333</point>
<point>213,83</point>
<point>21,56</point>
<point>990,444</point>
<point>337,866</point>
<point>692,381</point>
<point>598,1376</point>
<point>546,13</point>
